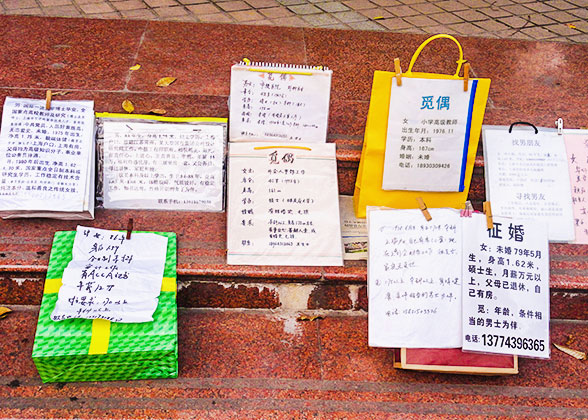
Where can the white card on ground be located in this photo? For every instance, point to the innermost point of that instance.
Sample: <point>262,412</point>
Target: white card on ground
<point>111,277</point>
<point>279,103</point>
<point>45,155</point>
<point>353,231</point>
<point>506,286</point>
<point>283,205</point>
<point>168,166</point>
<point>527,177</point>
<point>577,151</point>
<point>428,135</point>
<point>414,279</point>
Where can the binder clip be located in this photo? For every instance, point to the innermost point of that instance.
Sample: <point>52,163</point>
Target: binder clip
<point>559,124</point>
<point>488,213</point>
<point>522,123</point>
<point>129,228</point>
<point>466,76</point>
<point>48,97</point>
<point>423,208</point>
<point>398,72</point>
<point>467,210</point>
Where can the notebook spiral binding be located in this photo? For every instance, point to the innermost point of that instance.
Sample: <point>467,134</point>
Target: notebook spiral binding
<point>281,66</point>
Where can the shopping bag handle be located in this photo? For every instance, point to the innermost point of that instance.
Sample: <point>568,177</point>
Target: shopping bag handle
<point>424,44</point>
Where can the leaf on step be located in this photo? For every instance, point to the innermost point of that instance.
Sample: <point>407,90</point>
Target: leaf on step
<point>128,106</point>
<point>378,17</point>
<point>571,26</point>
<point>580,355</point>
<point>165,81</point>
<point>4,311</point>
<point>309,318</point>
<point>570,340</point>
<point>157,111</point>
<point>135,67</point>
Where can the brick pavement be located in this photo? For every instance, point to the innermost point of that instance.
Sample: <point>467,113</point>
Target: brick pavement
<point>546,20</point>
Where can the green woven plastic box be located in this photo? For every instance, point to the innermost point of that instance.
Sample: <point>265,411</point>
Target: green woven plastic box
<point>97,350</point>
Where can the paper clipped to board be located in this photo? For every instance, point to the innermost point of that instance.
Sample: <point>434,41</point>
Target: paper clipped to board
<point>283,205</point>
<point>111,277</point>
<point>577,152</point>
<point>279,103</point>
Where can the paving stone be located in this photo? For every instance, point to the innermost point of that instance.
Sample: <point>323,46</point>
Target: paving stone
<point>411,31</point>
<point>350,16</point>
<point>402,11</point>
<point>436,29</point>
<point>203,9</point>
<point>446,18</point>
<point>491,26</point>
<point>420,21</point>
<point>188,2</point>
<point>129,5</point>
<point>89,1</point>
<point>451,5</point>
<point>466,28</point>
<point>262,4</point>
<point>215,18</point>
<point>581,13</point>
<point>359,4</point>
<point>579,3</point>
<point>561,4</point>
<point>93,8</point>
<point>320,19</point>
<point>540,19</point>
<point>160,3</point>
<point>336,26</point>
<point>413,2</point>
<point>518,10</point>
<point>562,29</point>
<point>427,8</point>
<point>20,4</point>
<point>170,12</point>
<point>264,22</point>
<point>50,3</point>
<point>471,15</point>
<point>366,26</point>
<point>476,4</point>
<point>538,33</point>
<point>276,12</point>
<point>494,12</point>
<point>394,23</point>
<point>386,3</point>
<point>513,21</point>
<point>246,15</point>
<point>520,35</point>
<point>232,6</point>
<point>581,25</point>
<point>289,21</point>
<point>304,9</point>
<point>137,14</point>
<point>333,6</point>
<point>377,12</point>
<point>62,11</point>
<point>499,3</point>
<point>31,11</point>
<point>540,6</point>
<point>108,15</point>
<point>580,38</point>
<point>561,16</point>
<point>318,1</point>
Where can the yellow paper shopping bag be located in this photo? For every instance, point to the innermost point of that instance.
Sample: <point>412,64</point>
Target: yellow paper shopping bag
<point>381,185</point>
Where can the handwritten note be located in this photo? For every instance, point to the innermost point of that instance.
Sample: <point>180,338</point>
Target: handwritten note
<point>279,103</point>
<point>577,151</point>
<point>283,205</point>
<point>353,231</point>
<point>46,156</point>
<point>527,177</point>
<point>163,166</point>
<point>110,277</point>
<point>428,135</point>
<point>414,279</point>
<point>506,286</point>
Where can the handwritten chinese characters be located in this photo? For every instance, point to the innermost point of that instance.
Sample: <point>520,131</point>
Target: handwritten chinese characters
<point>112,278</point>
<point>414,279</point>
<point>46,156</point>
<point>428,135</point>
<point>506,286</point>
<point>279,104</point>
<point>577,151</point>
<point>277,214</point>
<point>527,177</point>
<point>163,166</point>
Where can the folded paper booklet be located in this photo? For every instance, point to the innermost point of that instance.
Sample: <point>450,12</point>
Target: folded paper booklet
<point>47,159</point>
<point>163,163</point>
<point>109,308</point>
<point>453,283</point>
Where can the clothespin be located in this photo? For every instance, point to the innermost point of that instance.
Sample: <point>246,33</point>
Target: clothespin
<point>488,213</point>
<point>467,210</point>
<point>466,76</point>
<point>398,72</point>
<point>559,124</point>
<point>423,208</point>
<point>48,97</point>
<point>129,228</point>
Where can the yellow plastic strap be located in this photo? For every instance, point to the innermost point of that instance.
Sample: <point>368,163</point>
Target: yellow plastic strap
<point>298,73</point>
<point>282,147</point>
<point>424,44</point>
<point>52,286</point>
<point>160,118</point>
<point>168,284</point>
<point>100,336</point>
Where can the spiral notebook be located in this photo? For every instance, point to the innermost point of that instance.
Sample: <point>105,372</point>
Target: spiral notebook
<point>279,102</point>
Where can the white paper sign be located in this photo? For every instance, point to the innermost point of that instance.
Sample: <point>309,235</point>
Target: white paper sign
<point>283,205</point>
<point>428,135</point>
<point>45,155</point>
<point>110,277</point>
<point>353,231</point>
<point>279,103</point>
<point>506,287</point>
<point>163,166</point>
<point>527,177</point>
<point>414,279</point>
<point>577,151</point>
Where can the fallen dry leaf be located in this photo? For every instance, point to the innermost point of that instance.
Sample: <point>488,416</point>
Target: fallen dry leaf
<point>378,17</point>
<point>309,318</point>
<point>580,355</point>
<point>4,311</point>
<point>157,111</point>
<point>128,106</point>
<point>165,81</point>
<point>570,340</point>
<point>135,67</point>
<point>571,26</point>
